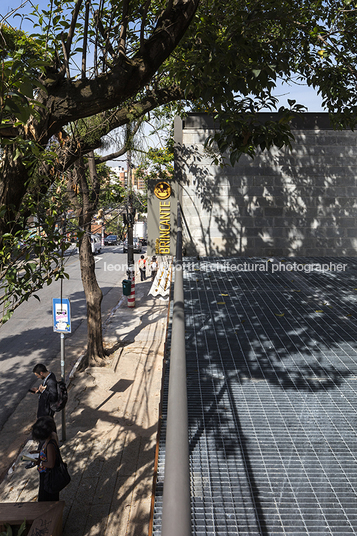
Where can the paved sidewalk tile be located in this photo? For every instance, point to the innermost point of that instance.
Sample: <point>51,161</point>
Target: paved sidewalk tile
<point>111,425</point>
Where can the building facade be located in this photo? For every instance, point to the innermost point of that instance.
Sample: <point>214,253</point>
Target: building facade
<point>299,202</point>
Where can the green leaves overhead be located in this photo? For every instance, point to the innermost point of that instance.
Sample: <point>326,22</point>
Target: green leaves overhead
<point>329,63</point>
<point>87,58</point>
<point>230,61</point>
<point>158,164</point>
<point>22,61</point>
<point>227,63</point>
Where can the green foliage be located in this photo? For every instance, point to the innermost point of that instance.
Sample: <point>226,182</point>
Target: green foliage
<point>158,163</point>
<point>234,54</point>
<point>31,256</point>
<point>9,531</point>
<point>112,193</point>
<point>229,60</point>
<point>229,64</point>
<point>331,60</point>
<point>22,61</point>
<point>90,129</point>
<point>28,261</point>
<point>243,131</point>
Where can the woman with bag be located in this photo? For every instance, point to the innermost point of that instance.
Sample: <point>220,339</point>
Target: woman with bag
<point>50,464</point>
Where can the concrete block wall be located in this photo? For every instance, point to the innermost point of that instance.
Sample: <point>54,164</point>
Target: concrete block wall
<point>283,203</point>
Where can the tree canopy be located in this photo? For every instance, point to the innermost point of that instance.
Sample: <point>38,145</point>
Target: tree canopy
<point>117,60</point>
<point>91,66</point>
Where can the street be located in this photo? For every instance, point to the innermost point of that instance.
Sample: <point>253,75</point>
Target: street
<point>28,337</point>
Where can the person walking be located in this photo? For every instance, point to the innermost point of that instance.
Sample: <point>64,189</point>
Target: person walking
<point>142,267</point>
<point>154,267</point>
<point>47,391</point>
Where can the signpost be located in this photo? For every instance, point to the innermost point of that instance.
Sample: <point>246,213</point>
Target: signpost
<point>62,324</point>
<point>61,315</point>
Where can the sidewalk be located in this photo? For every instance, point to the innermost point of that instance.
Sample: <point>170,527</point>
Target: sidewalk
<point>112,417</point>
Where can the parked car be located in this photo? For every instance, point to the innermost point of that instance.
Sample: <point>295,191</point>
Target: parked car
<point>137,247</point>
<point>111,240</point>
<point>96,244</point>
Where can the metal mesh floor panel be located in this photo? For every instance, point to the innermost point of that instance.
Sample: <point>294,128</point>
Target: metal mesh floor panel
<point>272,380</point>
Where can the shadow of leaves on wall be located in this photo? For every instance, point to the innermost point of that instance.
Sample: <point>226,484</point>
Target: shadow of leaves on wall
<point>281,203</point>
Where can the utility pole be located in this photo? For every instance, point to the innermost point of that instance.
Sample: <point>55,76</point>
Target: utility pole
<point>63,344</point>
<point>129,221</point>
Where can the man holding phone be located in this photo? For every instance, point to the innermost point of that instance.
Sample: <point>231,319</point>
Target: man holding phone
<point>47,390</point>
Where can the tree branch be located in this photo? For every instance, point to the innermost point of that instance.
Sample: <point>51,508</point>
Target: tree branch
<point>85,41</point>
<point>72,148</point>
<point>143,23</point>
<point>65,68</point>
<point>124,25</point>
<point>120,152</point>
<point>74,99</point>
<point>103,33</point>
<point>66,46</point>
<point>73,25</point>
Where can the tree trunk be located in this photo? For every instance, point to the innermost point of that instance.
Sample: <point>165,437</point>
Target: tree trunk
<point>95,350</point>
<point>13,186</point>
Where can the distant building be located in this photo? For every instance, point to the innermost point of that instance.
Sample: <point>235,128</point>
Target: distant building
<point>137,183</point>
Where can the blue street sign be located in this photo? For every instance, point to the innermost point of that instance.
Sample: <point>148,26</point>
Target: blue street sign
<point>61,315</point>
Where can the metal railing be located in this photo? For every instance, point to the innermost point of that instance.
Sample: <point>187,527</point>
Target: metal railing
<point>176,513</point>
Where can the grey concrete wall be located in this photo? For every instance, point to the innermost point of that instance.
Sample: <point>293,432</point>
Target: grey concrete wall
<point>285,203</point>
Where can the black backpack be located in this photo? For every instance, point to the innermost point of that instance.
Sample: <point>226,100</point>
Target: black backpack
<point>62,396</point>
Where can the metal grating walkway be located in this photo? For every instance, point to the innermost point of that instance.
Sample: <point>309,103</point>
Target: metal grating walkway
<point>272,380</point>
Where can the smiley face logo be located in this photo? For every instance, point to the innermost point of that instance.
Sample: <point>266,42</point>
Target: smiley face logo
<point>162,190</point>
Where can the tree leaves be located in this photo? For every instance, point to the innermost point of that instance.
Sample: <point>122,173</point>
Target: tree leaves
<point>22,64</point>
<point>31,255</point>
<point>226,64</point>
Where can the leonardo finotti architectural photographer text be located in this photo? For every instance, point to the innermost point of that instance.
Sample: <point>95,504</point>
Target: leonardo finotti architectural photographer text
<point>261,266</point>
<point>266,266</point>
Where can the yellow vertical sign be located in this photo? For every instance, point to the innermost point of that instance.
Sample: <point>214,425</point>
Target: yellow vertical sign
<point>163,192</point>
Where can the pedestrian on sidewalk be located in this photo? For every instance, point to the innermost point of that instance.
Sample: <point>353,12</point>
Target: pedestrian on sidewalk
<point>47,391</point>
<point>154,267</point>
<point>44,431</point>
<point>142,267</point>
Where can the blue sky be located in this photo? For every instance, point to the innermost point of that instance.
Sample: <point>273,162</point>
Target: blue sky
<point>302,94</point>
